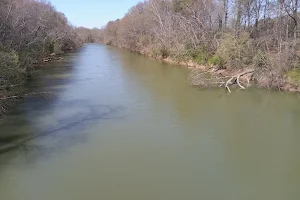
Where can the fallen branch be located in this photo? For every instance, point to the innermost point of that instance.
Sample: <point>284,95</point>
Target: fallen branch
<point>199,77</point>
<point>236,78</point>
<point>238,82</point>
<point>2,110</point>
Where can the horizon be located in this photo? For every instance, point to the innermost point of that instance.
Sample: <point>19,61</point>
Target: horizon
<point>95,14</point>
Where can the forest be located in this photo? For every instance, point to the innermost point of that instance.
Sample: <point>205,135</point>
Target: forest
<point>230,38</point>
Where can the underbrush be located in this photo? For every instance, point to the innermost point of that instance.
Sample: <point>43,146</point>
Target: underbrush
<point>293,76</point>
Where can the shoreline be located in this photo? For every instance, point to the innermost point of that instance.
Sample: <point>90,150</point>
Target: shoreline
<point>39,63</point>
<point>287,86</point>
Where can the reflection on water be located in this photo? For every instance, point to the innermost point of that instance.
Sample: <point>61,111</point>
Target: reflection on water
<point>121,126</point>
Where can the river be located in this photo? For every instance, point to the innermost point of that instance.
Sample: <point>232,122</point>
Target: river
<point>121,126</point>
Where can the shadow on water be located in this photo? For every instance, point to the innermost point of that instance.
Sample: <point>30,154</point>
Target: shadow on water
<point>65,129</point>
<point>63,120</point>
<point>15,128</point>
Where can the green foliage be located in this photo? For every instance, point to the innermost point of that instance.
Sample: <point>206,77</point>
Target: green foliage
<point>260,59</point>
<point>160,52</point>
<point>50,47</point>
<point>164,52</point>
<point>10,72</point>
<point>190,52</point>
<point>53,47</point>
<point>179,5</point>
<point>294,76</point>
<point>202,57</point>
<point>214,60</point>
<point>57,48</point>
<point>235,51</point>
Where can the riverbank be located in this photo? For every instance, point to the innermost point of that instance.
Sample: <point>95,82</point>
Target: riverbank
<point>10,141</point>
<point>177,34</point>
<point>10,94</point>
<point>26,43</point>
<point>242,78</point>
<point>224,68</point>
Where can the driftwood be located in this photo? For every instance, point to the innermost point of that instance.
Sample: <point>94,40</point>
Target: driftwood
<point>48,59</point>
<point>215,78</point>
<point>236,79</point>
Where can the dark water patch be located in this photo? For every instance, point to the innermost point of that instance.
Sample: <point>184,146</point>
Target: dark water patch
<point>69,124</point>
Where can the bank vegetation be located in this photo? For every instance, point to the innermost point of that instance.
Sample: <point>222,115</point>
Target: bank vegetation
<point>31,31</point>
<point>241,42</point>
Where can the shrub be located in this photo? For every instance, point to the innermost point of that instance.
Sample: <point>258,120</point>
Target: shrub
<point>189,53</point>
<point>235,51</point>
<point>57,48</point>
<point>294,76</point>
<point>164,53</point>
<point>48,46</point>
<point>260,60</point>
<point>10,72</point>
<point>160,52</point>
<point>214,60</point>
<point>201,57</point>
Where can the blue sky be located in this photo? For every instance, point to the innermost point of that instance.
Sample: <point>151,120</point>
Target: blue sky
<point>93,13</point>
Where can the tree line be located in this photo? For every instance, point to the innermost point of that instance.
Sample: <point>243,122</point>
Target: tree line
<point>232,34</point>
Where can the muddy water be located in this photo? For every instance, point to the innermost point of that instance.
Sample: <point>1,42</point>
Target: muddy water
<point>120,126</point>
